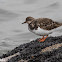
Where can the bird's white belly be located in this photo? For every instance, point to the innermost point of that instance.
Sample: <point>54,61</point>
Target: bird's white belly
<point>40,31</point>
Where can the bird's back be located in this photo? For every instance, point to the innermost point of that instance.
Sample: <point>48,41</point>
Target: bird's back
<point>44,23</point>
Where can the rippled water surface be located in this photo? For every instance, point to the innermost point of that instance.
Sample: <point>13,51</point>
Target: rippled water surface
<point>14,12</point>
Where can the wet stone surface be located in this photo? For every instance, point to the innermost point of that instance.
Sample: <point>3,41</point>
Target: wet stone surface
<point>30,51</point>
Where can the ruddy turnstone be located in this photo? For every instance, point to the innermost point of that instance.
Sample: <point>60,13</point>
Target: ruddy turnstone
<point>42,26</point>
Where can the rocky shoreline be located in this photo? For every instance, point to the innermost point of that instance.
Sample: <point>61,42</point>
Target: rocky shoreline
<point>48,51</point>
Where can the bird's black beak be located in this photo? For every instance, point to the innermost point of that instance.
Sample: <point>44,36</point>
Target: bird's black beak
<point>24,22</point>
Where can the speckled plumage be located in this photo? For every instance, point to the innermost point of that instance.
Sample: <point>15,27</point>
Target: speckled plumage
<point>44,23</point>
<point>42,26</point>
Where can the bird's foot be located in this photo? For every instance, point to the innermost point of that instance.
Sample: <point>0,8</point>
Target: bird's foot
<point>42,39</point>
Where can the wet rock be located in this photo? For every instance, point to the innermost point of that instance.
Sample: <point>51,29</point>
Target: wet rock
<point>30,51</point>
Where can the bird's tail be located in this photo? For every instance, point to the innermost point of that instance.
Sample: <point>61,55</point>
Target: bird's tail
<point>61,24</point>
<point>57,29</point>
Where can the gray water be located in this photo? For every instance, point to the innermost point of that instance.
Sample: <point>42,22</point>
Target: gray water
<point>14,12</point>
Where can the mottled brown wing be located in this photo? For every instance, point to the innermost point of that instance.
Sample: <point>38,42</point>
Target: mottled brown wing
<point>48,24</point>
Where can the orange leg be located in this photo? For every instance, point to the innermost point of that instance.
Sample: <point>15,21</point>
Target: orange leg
<point>43,39</point>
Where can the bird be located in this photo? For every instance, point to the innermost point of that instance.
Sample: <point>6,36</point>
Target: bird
<point>42,26</point>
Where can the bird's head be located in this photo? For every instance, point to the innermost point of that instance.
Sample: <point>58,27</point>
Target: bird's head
<point>28,20</point>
